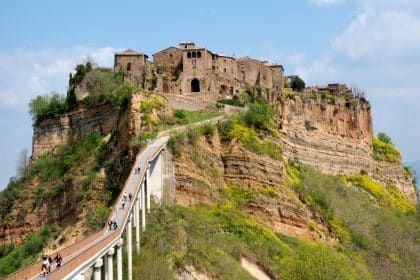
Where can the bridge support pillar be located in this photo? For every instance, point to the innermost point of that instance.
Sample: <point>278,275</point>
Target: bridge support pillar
<point>143,208</point>
<point>119,260</point>
<point>106,269</point>
<point>137,223</point>
<point>128,230</point>
<point>97,269</point>
<point>148,187</point>
<point>110,274</point>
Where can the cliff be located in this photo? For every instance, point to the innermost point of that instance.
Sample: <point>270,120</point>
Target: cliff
<point>335,136</point>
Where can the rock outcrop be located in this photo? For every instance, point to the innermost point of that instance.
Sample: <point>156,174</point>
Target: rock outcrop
<point>335,136</point>
<point>203,171</point>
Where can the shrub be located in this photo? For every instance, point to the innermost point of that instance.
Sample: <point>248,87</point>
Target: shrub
<point>175,143</point>
<point>384,151</point>
<point>384,138</point>
<point>97,217</point>
<point>180,114</point>
<point>259,116</point>
<point>121,96</point>
<point>269,192</point>
<point>208,129</point>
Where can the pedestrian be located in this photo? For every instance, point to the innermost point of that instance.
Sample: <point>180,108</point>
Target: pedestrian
<point>130,196</point>
<point>122,205</point>
<point>49,264</point>
<point>115,225</point>
<point>110,224</point>
<point>139,169</point>
<point>125,196</point>
<point>45,264</point>
<point>43,270</point>
<point>58,259</point>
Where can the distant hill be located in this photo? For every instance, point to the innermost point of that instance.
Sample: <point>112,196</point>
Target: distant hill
<point>416,166</point>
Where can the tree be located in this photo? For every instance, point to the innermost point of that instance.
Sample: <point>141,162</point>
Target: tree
<point>385,138</point>
<point>298,84</point>
<point>22,165</point>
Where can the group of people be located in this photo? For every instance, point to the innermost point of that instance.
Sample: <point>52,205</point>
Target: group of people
<point>126,197</point>
<point>137,170</point>
<point>47,262</point>
<point>112,224</point>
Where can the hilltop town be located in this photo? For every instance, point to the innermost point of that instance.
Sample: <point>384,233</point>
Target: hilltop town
<point>189,70</point>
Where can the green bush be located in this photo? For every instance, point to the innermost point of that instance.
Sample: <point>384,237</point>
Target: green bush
<point>175,143</point>
<point>259,116</point>
<point>385,151</point>
<point>121,96</point>
<point>96,219</point>
<point>180,114</point>
<point>384,138</point>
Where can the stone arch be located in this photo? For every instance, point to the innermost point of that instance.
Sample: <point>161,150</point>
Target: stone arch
<point>195,85</point>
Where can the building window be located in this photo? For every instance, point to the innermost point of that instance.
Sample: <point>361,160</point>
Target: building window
<point>188,54</point>
<point>198,54</point>
<point>129,66</point>
<point>224,69</point>
<point>170,55</point>
<point>214,68</point>
<point>194,55</point>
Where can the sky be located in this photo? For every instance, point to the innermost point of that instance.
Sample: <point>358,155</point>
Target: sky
<point>373,45</point>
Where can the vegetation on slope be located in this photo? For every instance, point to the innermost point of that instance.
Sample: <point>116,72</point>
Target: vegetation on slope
<point>385,237</point>
<point>213,239</point>
<point>65,180</point>
<point>384,149</point>
<point>12,257</point>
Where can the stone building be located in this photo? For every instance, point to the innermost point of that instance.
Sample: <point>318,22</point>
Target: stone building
<point>133,65</point>
<point>192,70</point>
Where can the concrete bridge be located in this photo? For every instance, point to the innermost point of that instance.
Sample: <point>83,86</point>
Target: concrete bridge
<point>101,253</point>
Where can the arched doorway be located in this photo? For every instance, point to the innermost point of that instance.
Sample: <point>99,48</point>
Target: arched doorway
<point>195,85</point>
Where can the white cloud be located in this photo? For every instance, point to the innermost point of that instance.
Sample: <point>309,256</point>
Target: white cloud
<point>25,73</point>
<point>379,51</point>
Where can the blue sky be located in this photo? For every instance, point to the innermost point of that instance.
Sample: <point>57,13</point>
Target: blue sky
<point>371,44</point>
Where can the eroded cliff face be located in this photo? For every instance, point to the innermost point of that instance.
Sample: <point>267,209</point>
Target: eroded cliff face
<point>335,136</point>
<point>28,213</point>
<point>204,170</point>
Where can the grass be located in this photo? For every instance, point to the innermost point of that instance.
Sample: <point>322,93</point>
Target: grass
<point>382,239</point>
<point>248,137</point>
<point>214,238</point>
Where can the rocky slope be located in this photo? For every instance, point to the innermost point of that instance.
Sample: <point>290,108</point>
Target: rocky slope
<point>335,136</point>
<point>202,171</point>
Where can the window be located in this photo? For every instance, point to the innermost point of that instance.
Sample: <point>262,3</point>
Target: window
<point>198,54</point>
<point>170,55</point>
<point>194,55</point>
<point>224,69</point>
<point>214,68</point>
<point>129,66</point>
<point>189,55</point>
